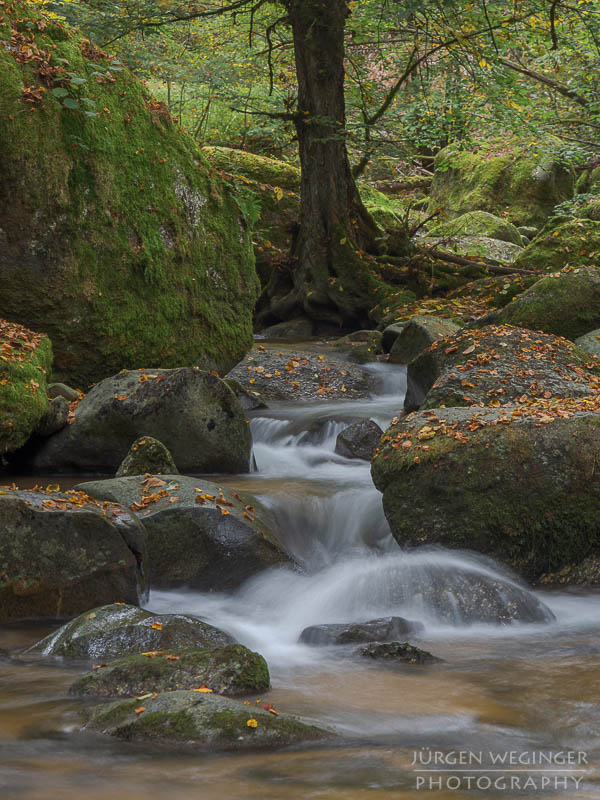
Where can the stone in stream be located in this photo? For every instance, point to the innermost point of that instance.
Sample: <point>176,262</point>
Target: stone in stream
<point>199,534</point>
<point>401,652</point>
<point>193,413</point>
<point>359,440</point>
<point>375,630</point>
<point>230,670</point>
<point>416,335</point>
<point>200,721</point>
<point>147,456</point>
<point>62,553</point>
<point>119,629</point>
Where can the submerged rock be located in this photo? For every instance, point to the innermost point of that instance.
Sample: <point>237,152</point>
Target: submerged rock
<point>119,629</point>
<point>147,456</point>
<point>229,670</point>
<point>566,303</point>
<point>375,630</point>
<point>200,721</point>
<point>359,440</point>
<point>199,534</point>
<point>517,483</point>
<point>400,652</point>
<point>193,413</point>
<point>62,553</point>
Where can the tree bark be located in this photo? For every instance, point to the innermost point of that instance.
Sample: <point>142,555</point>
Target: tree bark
<point>330,280</point>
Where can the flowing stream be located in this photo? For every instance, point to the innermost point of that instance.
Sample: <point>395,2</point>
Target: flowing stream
<point>514,688</point>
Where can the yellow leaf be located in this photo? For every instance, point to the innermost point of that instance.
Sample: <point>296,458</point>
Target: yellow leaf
<point>278,193</point>
<point>252,723</point>
<point>157,626</point>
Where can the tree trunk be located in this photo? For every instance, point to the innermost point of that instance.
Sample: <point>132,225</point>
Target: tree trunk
<point>331,281</point>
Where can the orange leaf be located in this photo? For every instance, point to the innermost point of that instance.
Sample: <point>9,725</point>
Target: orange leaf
<point>157,626</point>
<point>140,709</point>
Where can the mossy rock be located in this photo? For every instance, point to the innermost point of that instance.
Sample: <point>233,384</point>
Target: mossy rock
<point>477,248</point>
<point>193,413</point>
<point>478,223</point>
<point>416,335</point>
<point>566,304</point>
<point>147,456</point>
<point>229,670</point>
<point>360,347</point>
<point>199,722</point>
<point>574,242</point>
<point>495,292</point>
<point>62,553</point>
<point>590,342</point>
<point>516,483</point>
<point>114,226</point>
<point>496,365</point>
<point>26,362</point>
<point>500,178</point>
<point>199,534</point>
<point>590,210</point>
<point>586,573</point>
<point>119,629</point>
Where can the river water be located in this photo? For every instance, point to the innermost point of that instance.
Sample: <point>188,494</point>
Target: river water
<point>513,691</point>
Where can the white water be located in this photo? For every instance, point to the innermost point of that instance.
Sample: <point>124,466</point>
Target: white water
<point>330,518</point>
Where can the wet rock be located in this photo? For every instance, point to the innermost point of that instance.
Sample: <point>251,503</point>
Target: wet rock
<point>417,335</point>
<point>399,652</point>
<point>193,413</point>
<point>62,553</point>
<point>147,456</point>
<point>590,342</point>
<point>566,303</point>
<point>229,670</point>
<point>359,440</point>
<point>249,400</point>
<point>200,721</point>
<point>199,534</point>
<point>62,390</point>
<point>119,629</point>
<point>497,365</point>
<point>517,483</point>
<point>288,374</point>
<point>360,347</point>
<point>375,630</point>
<point>298,328</point>
<point>55,418</point>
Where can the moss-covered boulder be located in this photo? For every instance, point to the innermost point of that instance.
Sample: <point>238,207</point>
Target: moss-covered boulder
<point>360,347</point>
<point>279,373</point>
<point>147,456</point>
<point>229,670</point>
<point>63,552</point>
<point>566,304</point>
<point>590,342</point>
<point>199,534</point>
<point>495,365</point>
<point>193,413</point>
<point>200,721</point>
<point>478,223</point>
<point>475,248</point>
<point>26,361</point>
<point>517,483</point>
<point>500,178</point>
<point>359,440</point>
<point>120,629</point>
<point>574,242</point>
<point>416,335</point>
<point>114,226</point>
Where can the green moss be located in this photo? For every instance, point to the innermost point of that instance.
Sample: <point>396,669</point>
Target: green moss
<point>178,726</point>
<point>573,242</point>
<point>120,216</point>
<point>478,223</point>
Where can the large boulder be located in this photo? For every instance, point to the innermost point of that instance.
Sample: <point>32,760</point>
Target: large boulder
<point>478,223</point>
<point>289,374</point>
<point>26,361</point>
<point>505,179</point>
<point>416,335</point>
<point>199,534</point>
<point>359,440</point>
<point>385,629</point>
<point>114,228</point>
<point>200,721</point>
<point>566,303</point>
<point>518,483</point>
<point>229,670</point>
<point>496,365</point>
<point>120,629</point>
<point>63,552</point>
<point>571,243</point>
<point>193,413</point>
